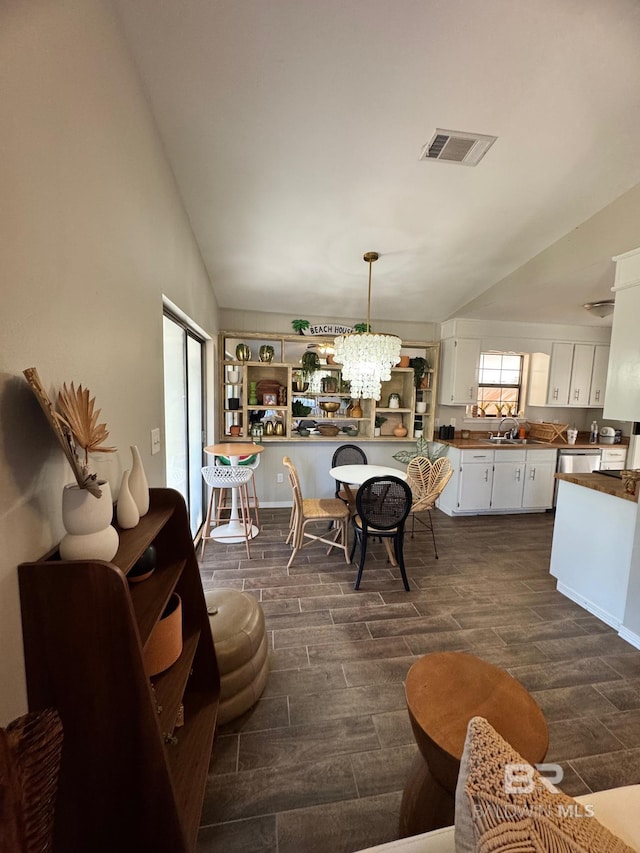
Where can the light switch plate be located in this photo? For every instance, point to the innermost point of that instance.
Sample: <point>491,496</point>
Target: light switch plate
<point>155,441</point>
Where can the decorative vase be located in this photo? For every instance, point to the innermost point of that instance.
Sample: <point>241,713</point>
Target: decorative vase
<point>421,407</point>
<point>144,566</point>
<point>376,431</point>
<point>138,485</point>
<point>404,361</point>
<point>243,353</point>
<point>253,394</point>
<point>87,520</point>
<point>394,401</point>
<point>235,430</point>
<point>279,428</point>
<point>400,431</point>
<point>356,411</point>
<point>233,377</point>
<point>127,512</point>
<point>266,353</point>
<point>164,645</point>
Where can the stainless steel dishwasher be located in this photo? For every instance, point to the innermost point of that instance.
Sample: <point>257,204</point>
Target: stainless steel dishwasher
<point>577,461</point>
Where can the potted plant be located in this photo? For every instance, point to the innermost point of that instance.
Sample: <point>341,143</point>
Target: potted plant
<point>420,367</point>
<point>380,419</point>
<point>310,362</point>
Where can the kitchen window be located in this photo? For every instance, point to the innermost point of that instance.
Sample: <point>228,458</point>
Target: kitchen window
<point>499,384</point>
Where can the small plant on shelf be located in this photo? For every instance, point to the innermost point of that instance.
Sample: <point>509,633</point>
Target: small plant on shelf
<point>310,362</point>
<point>380,419</point>
<point>420,367</point>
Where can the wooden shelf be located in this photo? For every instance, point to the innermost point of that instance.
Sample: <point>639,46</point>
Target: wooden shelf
<point>129,779</point>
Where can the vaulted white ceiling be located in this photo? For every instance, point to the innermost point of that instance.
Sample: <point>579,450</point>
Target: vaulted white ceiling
<point>294,129</point>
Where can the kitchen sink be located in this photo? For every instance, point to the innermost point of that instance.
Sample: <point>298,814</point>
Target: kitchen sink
<point>510,441</point>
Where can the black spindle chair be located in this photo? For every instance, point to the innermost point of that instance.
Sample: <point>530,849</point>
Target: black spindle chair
<point>382,507</point>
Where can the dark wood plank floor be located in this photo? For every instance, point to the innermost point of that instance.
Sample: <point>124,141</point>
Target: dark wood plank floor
<point>319,764</point>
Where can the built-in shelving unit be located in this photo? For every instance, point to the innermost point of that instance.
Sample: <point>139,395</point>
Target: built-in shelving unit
<point>132,774</point>
<point>240,409</point>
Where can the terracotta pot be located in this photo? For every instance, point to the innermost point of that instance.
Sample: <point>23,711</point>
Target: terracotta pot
<point>356,411</point>
<point>404,361</point>
<point>235,430</point>
<point>164,645</point>
<point>400,431</point>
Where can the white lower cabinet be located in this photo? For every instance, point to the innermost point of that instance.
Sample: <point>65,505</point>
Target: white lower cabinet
<point>476,481</point>
<point>505,480</point>
<point>508,479</point>
<point>538,479</point>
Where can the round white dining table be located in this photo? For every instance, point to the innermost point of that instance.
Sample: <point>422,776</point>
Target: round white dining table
<point>233,531</point>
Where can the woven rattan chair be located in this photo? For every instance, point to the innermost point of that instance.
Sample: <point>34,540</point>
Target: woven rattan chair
<point>347,454</point>
<point>309,510</point>
<point>382,507</point>
<point>427,480</point>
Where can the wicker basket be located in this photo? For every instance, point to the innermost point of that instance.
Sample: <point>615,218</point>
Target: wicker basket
<point>30,751</point>
<point>548,432</point>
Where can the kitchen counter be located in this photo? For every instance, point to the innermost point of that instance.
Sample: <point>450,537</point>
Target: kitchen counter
<point>480,440</point>
<point>595,537</point>
<point>600,483</point>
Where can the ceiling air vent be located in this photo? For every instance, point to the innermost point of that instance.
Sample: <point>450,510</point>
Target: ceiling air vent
<point>455,146</point>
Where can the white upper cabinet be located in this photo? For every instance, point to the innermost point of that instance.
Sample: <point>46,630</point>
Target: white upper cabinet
<point>599,376</point>
<point>573,375</point>
<point>460,359</point>
<point>623,378</point>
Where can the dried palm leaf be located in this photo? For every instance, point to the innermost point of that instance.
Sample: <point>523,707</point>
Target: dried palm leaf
<point>63,433</point>
<point>79,414</point>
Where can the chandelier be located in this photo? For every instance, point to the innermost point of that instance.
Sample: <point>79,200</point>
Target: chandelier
<point>366,358</point>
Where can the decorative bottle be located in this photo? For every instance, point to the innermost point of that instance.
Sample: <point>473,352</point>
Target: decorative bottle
<point>138,485</point>
<point>127,512</point>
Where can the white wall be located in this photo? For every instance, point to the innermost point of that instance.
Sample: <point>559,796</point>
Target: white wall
<point>92,234</point>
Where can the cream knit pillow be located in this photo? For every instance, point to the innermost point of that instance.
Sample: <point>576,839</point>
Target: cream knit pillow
<point>489,818</point>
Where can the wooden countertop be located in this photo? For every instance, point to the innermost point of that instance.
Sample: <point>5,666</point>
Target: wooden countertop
<point>599,483</point>
<point>480,440</point>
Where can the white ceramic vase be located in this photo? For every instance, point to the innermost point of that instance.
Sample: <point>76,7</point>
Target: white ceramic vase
<point>138,485</point>
<point>87,520</point>
<point>421,407</point>
<point>127,511</point>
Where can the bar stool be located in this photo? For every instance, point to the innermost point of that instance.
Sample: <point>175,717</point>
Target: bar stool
<point>252,461</point>
<point>239,526</point>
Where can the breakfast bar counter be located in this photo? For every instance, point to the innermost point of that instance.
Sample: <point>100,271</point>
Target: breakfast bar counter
<point>595,553</point>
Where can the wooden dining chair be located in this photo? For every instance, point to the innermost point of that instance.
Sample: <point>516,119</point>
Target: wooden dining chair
<point>382,507</point>
<point>427,480</point>
<point>308,511</point>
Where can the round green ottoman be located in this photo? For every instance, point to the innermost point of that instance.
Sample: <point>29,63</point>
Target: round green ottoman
<point>240,639</point>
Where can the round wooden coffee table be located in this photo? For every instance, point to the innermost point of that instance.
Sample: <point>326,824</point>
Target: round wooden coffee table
<point>444,691</point>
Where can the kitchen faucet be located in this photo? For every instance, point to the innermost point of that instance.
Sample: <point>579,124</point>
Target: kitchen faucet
<point>514,431</point>
<point>511,434</point>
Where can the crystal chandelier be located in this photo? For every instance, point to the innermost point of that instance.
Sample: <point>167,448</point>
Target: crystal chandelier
<point>366,358</point>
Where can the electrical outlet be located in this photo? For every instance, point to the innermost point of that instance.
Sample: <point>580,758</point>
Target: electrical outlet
<point>280,478</point>
<point>155,441</point>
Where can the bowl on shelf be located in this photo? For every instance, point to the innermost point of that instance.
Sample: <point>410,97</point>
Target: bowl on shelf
<point>328,429</point>
<point>330,407</point>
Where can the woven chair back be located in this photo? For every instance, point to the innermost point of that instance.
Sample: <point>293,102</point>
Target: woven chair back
<point>383,503</point>
<point>427,479</point>
<point>294,482</point>
<point>349,454</point>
